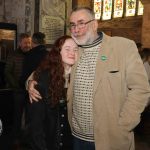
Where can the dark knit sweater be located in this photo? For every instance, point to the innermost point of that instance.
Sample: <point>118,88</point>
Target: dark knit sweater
<point>32,60</point>
<point>13,69</point>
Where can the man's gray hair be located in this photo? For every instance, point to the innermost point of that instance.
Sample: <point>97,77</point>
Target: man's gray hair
<point>89,10</point>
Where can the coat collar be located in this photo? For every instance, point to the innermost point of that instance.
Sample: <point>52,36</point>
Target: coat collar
<point>101,66</point>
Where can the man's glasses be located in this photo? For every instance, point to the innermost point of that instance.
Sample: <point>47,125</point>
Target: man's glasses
<point>80,25</point>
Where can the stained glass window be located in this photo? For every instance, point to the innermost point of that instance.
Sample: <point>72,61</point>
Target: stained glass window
<point>97,8</point>
<point>140,8</point>
<point>107,9</point>
<point>130,7</point>
<point>103,9</point>
<point>118,8</point>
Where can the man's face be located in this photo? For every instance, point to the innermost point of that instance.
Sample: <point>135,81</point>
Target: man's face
<point>82,27</point>
<point>25,44</point>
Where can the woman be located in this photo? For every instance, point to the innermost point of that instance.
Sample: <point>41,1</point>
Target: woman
<point>49,123</point>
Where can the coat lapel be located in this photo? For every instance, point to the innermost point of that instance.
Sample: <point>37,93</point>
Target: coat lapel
<point>102,61</point>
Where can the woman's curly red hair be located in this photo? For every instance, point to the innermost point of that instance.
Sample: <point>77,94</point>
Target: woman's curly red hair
<point>53,63</point>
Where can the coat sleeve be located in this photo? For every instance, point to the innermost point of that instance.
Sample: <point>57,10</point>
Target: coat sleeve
<point>138,88</point>
<point>28,79</point>
<point>11,81</point>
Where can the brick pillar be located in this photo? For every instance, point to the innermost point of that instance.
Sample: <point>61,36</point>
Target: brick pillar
<point>146,24</point>
<point>76,3</point>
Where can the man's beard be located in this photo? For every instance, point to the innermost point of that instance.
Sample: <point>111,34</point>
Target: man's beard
<point>87,39</point>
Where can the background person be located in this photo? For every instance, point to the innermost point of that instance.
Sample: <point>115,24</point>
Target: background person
<point>13,72</point>
<point>35,56</point>
<point>145,55</point>
<point>143,127</point>
<point>31,62</point>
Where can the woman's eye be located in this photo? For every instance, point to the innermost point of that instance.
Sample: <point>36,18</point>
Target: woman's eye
<point>75,50</point>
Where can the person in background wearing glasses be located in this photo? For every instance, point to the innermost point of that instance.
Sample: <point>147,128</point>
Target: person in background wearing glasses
<point>108,88</point>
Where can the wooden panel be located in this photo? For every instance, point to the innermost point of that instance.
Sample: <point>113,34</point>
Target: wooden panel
<point>146,27</point>
<point>129,22</point>
<point>79,3</point>
<point>125,27</point>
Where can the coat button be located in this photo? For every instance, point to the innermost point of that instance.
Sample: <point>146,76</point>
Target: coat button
<point>61,144</point>
<point>62,115</point>
<point>62,125</point>
<point>61,134</point>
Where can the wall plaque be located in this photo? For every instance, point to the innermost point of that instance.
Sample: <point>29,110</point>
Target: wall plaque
<point>52,19</point>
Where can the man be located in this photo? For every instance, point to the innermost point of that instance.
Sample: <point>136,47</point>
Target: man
<point>15,59</point>
<point>34,57</point>
<point>13,71</point>
<point>108,89</point>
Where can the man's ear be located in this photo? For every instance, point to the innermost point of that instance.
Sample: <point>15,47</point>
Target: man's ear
<point>95,25</point>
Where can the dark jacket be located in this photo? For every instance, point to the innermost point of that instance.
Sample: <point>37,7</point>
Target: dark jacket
<point>32,60</point>
<point>13,69</point>
<point>49,125</point>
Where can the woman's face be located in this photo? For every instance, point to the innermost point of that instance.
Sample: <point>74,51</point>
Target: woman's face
<point>69,52</point>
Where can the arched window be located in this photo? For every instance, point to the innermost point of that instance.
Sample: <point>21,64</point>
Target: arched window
<point>108,9</point>
<point>140,8</point>
<point>118,8</point>
<point>98,8</point>
<point>130,7</point>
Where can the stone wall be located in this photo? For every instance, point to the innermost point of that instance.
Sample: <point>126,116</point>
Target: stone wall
<point>20,12</point>
<point>25,13</point>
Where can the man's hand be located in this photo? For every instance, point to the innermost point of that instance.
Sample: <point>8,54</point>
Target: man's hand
<point>34,95</point>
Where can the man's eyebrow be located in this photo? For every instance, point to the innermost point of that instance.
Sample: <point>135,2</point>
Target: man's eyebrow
<point>77,21</point>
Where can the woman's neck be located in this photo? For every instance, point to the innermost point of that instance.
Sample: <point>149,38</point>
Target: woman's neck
<point>67,74</point>
<point>67,69</point>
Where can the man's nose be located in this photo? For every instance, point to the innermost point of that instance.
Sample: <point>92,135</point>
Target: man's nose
<point>76,28</point>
